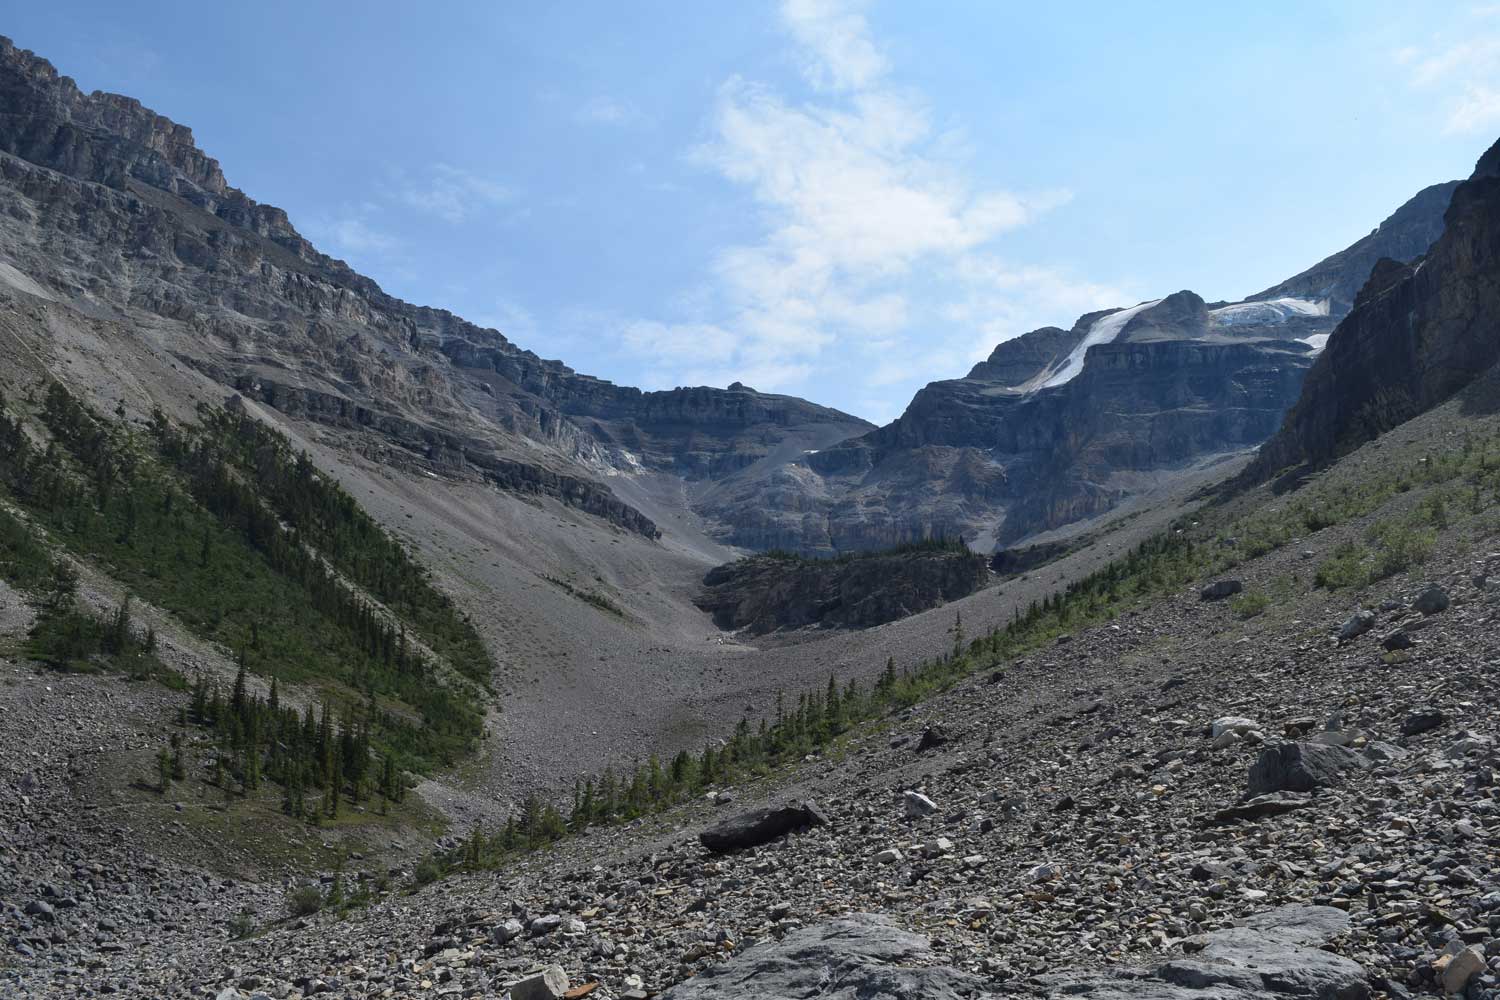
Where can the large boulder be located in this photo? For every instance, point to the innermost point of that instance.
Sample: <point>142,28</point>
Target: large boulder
<point>859,957</point>
<point>761,826</point>
<point>1273,955</point>
<point>1301,767</point>
<point>1220,589</point>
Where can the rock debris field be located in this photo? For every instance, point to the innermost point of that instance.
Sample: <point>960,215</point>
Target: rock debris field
<point>1176,803</point>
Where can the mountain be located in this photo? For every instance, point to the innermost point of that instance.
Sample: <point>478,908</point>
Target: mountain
<point>1059,426</point>
<point>1419,331</point>
<point>111,205</point>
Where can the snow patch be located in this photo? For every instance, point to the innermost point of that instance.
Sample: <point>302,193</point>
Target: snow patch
<point>1268,312</point>
<point>1102,332</point>
<point>1317,342</point>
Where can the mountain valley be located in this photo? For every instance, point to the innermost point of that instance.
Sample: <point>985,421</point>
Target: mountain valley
<point>349,648</point>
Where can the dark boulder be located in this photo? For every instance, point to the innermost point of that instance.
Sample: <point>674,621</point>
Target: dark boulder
<point>1301,767</point>
<point>933,737</point>
<point>761,826</point>
<point>1221,589</point>
<point>1421,720</point>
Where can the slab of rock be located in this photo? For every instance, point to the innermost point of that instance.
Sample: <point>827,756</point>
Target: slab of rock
<point>859,957</point>
<point>1301,767</point>
<point>1274,955</point>
<point>919,805</point>
<point>1274,804</point>
<point>549,984</point>
<point>761,826</point>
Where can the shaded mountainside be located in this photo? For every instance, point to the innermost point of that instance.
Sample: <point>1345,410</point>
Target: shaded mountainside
<point>1059,426</point>
<point>109,205</point>
<point>778,590</point>
<point>1418,333</point>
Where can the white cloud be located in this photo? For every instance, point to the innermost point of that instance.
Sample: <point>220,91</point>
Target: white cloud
<point>609,111</point>
<point>868,219</point>
<point>840,53</point>
<point>454,194</point>
<point>1462,77</point>
<point>351,234</point>
<point>1478,110</point>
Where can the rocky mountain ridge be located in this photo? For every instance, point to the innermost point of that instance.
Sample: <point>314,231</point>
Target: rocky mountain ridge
<point>1059,426</point>
<point>1418,332</point>
<point>264,312</point>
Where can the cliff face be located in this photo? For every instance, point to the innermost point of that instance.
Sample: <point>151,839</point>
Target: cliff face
<point>1418,333</point>
<point>767,593</point>
<point>105,204</point>
<point>1057,426</point>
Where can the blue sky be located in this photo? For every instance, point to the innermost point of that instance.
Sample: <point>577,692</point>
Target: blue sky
<point>838,200</point>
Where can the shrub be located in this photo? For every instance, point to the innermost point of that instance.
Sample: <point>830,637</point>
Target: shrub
<point>1250,604</point>
<point>304,900</point>
<point>428,870</point>
<point>1345,567</point>
<point>1399,547</point>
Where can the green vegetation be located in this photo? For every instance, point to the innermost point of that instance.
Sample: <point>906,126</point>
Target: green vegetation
<point>593,597</point>
<point>228,529</point>
<point>1250,604</point>
<point>1164,564</point>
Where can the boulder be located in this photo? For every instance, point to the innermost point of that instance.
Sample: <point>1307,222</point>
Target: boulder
<point>1274,955</point>
<point>1232,724</point>
<point>1220,589</point>
<point>1357,625</point>
<point>1421,720</point>
<point>919,805</point>
<point>1461,968</point>
<point>1431,600</point>
<point>761,826</point>
<point>1301,767</point>
<point>852,958</point>
<point>549,984</point>
<point>933,737</point>
<point>1399,639</point>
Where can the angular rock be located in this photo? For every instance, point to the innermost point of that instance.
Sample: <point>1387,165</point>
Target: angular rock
<point>859,957</point>
<point>919,805</point>
<point>1431,600</point>
<point>1273,804</point>
<point>1464,966</point>
<point>1220,589</point>
<point>933,737</point>
<point>1274,955</point>
<point>1399,639</point>
<point>1357,625</point>
<point>1301,767</point>
<point>549,984</point>
<point>761,826</point>
<point>1422,720</point>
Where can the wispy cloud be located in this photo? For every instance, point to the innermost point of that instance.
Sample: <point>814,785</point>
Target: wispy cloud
<point>609,111</point>
<point>868,222</point>
<point>1462,76</point>
<point>351,234</point>
<point>453,194</point>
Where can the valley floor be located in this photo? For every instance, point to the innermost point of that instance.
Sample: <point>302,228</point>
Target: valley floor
<point>1078,819</point>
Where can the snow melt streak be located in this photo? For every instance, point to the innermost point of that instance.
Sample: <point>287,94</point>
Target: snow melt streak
<point>1102,332</point>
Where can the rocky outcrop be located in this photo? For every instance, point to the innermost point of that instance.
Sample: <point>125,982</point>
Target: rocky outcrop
<point>761,826</point>
<point>863,956</point>
<point>1418,333</point>
<point>770,592</point>
<point>1274,954</point>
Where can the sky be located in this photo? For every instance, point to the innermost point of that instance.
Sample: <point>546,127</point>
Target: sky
<point>838,200</point>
